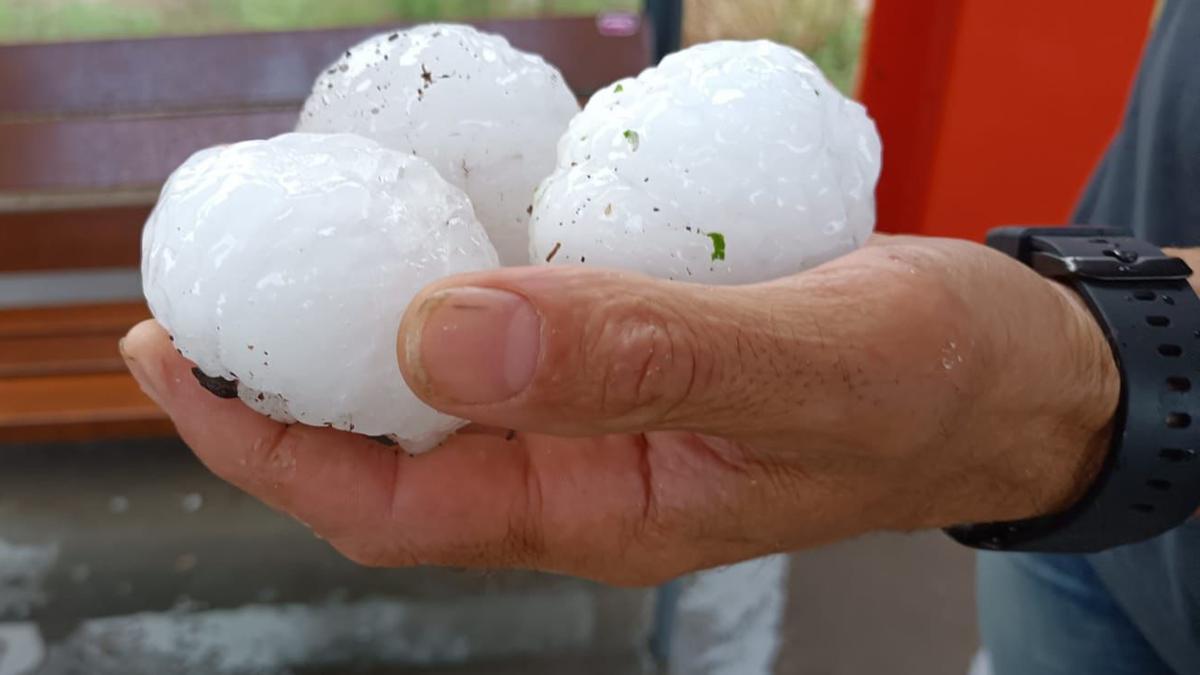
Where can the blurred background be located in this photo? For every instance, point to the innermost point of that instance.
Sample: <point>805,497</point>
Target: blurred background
<point>829,30</point>
<point>992,112</point>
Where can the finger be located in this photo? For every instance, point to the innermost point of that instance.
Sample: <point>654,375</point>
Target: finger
<point>574,350</point>
<point>480,500</point>
<point>278,463</point>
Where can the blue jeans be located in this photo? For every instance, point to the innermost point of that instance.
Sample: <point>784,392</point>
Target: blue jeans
<point>1053,615</point>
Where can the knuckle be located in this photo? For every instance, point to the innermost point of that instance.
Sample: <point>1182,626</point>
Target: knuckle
<point>915,279</point>
<point>909,303</point>
<point>646,528</point>
<point>523,541</point>
<point>645,360</point>
<point>522,546</point>
<point>650,531</point>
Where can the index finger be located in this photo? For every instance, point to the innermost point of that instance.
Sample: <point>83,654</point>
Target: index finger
<point>477,500</point>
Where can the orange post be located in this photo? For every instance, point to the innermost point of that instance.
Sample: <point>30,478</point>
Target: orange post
<point>994,112</point>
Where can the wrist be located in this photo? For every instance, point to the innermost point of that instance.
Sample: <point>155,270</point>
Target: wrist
<point>1146,313</point>
<point>1041,404</point>
<point>1105,390</point>
<point>1058,401</point>
<point>1095,391</point>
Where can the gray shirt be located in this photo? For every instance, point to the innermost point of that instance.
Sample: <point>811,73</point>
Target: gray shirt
<point>1150,181</point>
<point>1150,178</point>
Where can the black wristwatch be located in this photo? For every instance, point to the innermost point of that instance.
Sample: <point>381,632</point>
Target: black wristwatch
<point>1150,481</point>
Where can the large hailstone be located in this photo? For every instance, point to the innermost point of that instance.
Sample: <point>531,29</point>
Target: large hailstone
<point>731,162</point>
<point>285,265</point>
<point>486,115</point>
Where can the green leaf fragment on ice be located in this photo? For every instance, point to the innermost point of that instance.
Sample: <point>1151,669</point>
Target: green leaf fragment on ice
<point>631,136</point>
<point>619,89</point>
<point>718,242</point>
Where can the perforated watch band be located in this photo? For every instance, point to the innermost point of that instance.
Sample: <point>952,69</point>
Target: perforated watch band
<point>1150,480</point>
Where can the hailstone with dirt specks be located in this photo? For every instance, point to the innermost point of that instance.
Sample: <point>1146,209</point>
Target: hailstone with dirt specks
<point>730,162</point>
<point>283,267</point>
<point>485,115</point>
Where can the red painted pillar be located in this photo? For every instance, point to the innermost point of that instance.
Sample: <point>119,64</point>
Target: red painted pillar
<point>993,112</point>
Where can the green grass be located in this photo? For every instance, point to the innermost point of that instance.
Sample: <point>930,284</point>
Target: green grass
<point>838,54</point>
<point>60,20</point>
<point>21,22</point>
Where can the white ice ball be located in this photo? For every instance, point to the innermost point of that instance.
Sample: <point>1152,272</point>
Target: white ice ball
<point>731,162</point>
<point>285,265</point>
<point>486,115</point>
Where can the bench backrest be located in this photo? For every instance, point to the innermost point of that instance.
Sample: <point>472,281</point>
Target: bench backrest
<point>89,130</point>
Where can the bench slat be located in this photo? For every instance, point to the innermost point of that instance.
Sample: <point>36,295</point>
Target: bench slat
<point>71,320</point>
<point>65,340</point>
<point>90,130</point>
<point>76,407</point>
<point>256,69</point>
<point>42,240</point>
<point>60,355</point>
<point>62,378</point>
<point>119,154</point>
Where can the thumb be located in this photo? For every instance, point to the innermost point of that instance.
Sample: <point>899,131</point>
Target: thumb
<point>581,351</point>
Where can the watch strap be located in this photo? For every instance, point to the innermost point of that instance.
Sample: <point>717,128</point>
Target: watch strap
<point>1150,479</point>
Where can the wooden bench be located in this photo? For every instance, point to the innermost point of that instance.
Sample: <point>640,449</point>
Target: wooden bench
<point>88,132</point>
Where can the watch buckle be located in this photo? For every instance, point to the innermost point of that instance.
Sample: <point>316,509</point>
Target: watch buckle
<point>1120,266</point>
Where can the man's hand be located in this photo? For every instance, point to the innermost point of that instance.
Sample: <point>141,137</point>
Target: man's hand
<point>665,427</point>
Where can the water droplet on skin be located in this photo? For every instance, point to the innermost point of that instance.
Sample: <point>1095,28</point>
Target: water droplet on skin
<point>950,355</point>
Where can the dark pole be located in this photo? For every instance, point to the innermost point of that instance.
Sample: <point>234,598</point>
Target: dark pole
<point>667,18</point>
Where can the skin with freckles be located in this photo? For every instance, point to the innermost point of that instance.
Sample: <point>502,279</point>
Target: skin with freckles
<point>663,427</point>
